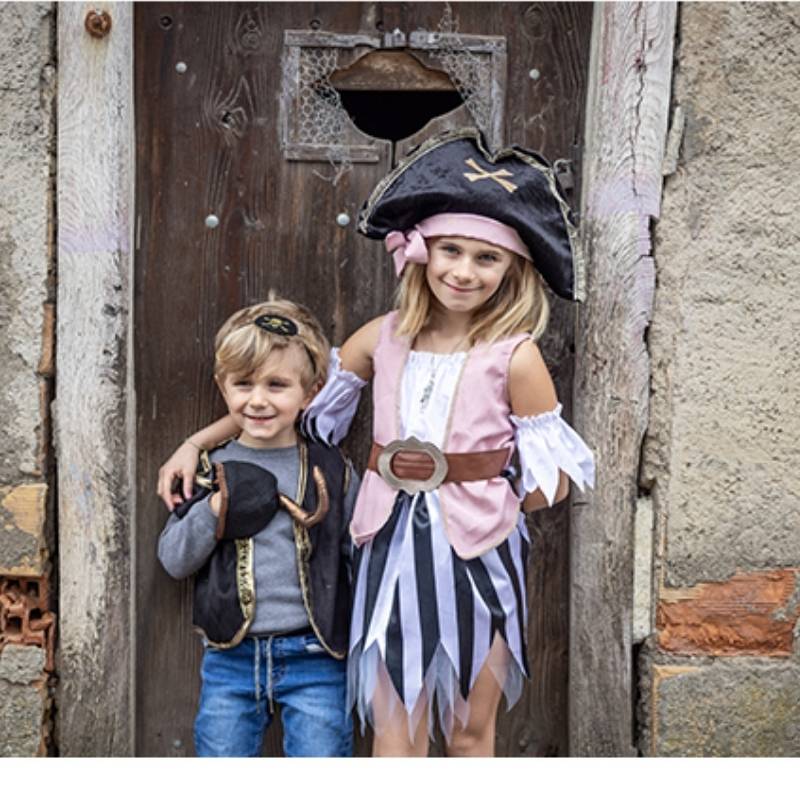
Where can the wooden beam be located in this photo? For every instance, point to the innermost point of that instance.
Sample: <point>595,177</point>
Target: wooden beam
<point>627,112</point>
<point>390,71</point>
<point>94,414</point>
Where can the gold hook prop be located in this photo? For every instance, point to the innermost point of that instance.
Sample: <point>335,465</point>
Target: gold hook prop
<point>497,176</point>
<point>306,518</point>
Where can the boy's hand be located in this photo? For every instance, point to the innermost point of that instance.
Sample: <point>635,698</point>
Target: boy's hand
<point>181,465</point>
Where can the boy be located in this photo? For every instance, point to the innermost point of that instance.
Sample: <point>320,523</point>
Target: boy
<point>266,532</point>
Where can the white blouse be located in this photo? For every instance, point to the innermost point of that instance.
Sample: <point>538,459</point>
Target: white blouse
<point>428,421</point>
<point>546,444</point>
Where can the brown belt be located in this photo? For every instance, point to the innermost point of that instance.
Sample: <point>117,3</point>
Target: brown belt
<point>413,463</point>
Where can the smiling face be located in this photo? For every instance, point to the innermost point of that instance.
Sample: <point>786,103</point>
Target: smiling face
<point>266,404</point>
<point>464,273</point>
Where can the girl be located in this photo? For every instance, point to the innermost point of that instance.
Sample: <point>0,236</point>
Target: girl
<point>439,616</point>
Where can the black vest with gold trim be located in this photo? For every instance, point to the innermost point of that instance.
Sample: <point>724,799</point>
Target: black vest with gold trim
<point>224,588</point>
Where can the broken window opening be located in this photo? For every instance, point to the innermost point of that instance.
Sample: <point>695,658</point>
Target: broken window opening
<point>391,95</point>
<point>394,116</point>
<point>345,97</point>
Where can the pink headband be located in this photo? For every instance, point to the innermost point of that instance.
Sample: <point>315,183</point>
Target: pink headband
<point>410,246</point>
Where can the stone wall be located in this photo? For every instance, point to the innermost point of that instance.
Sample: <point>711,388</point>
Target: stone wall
<point>27,291</point>
<point>720,675</point>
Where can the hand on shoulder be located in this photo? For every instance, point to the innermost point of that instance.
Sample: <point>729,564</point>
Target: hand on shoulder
<point>356,353</point>
<point>530,386</point>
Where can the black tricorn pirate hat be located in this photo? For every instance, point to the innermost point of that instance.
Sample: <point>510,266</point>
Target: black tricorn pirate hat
<point>455,172</point>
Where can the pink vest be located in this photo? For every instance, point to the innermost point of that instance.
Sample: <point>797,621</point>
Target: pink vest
<point>477,515</point>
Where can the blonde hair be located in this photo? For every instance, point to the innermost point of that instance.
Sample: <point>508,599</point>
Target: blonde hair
<point>519,305</point>
<point>241,346</point>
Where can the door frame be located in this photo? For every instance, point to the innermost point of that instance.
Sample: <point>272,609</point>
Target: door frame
<point>94,411</point>
<point>627,114</point>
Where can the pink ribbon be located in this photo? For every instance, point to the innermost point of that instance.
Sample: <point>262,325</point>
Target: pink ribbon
<point>410,246</point>
<point>406,247</point>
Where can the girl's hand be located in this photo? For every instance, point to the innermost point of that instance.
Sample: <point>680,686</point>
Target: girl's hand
<point>181,465</point>
<point>214,503</point>
<point>535,500</point>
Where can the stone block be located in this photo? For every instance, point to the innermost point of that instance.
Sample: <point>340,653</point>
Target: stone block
<point>23,550</point>
<point>23,701</point>
<point>732,707</point>
<point>27,152</point>
<point>721,447</point>
<point>21,665</point>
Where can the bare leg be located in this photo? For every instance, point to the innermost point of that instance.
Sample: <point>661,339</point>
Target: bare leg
<point>393,740</point>
<point>477,738</point>
<point>391,737</point>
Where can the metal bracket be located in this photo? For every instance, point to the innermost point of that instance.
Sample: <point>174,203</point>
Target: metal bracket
<point>394,39</point>
<point>564,173</point>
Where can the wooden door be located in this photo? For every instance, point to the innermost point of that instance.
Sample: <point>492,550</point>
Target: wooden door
<point>250,176</point>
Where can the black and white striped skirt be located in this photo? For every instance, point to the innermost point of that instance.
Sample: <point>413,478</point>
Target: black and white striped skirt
<point>426,621</point>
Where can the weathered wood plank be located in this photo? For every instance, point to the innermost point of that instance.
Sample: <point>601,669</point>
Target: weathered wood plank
<point>211,144</point>
<point>544,113</point>
<point>227,160</point>
<point>93,432</point>
<point>312,152</point>
<point>547,115</point>
<point>626,127</point>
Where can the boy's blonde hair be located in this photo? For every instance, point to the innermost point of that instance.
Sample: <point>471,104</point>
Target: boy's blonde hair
<point>241,346</point>
<point>519,305</point>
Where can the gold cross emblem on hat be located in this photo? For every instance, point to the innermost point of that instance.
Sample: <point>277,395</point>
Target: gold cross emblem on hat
<point>497,176</point>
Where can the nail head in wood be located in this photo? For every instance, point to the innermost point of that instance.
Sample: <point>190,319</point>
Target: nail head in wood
<point>98,24</point>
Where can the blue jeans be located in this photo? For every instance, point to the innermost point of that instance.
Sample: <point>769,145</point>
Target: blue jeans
<point>241,686</point>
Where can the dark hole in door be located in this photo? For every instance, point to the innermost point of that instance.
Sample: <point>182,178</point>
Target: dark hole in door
<point>396,115</point>
<point>391,94</point>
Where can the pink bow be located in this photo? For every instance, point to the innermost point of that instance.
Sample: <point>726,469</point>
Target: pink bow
<point>406,247</point>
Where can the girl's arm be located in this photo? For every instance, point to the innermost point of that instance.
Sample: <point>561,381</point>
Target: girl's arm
<point>329,415</point>
<point>182,464</point>
<point>531,393</point>
<point>356,353</point>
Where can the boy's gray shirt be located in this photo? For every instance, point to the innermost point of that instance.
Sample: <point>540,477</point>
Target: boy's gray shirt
<point>186,544</point>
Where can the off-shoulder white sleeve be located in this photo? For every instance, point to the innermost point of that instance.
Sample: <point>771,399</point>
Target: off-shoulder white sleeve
<point>547,444</point>
<point>330,413</point>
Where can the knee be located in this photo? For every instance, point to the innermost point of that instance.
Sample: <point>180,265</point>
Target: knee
<point>472,741</point>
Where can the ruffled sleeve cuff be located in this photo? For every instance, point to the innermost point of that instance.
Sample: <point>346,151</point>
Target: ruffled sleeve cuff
<point>547,444</point>
<point>328,416</point>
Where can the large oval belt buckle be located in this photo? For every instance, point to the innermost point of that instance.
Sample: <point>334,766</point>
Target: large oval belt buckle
<point>409,485</point>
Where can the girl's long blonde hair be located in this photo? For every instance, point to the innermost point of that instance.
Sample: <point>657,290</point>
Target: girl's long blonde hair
<point>519,305</point>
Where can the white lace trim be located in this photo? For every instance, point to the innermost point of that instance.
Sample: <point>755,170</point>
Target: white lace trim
<point>547,444</point>
<point>330,413</point>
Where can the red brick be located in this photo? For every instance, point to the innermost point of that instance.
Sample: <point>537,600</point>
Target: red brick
<point>750,614</point>
<point>25,617</point>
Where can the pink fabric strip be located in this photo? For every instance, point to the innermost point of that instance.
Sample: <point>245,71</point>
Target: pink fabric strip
<point>410,246</point>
